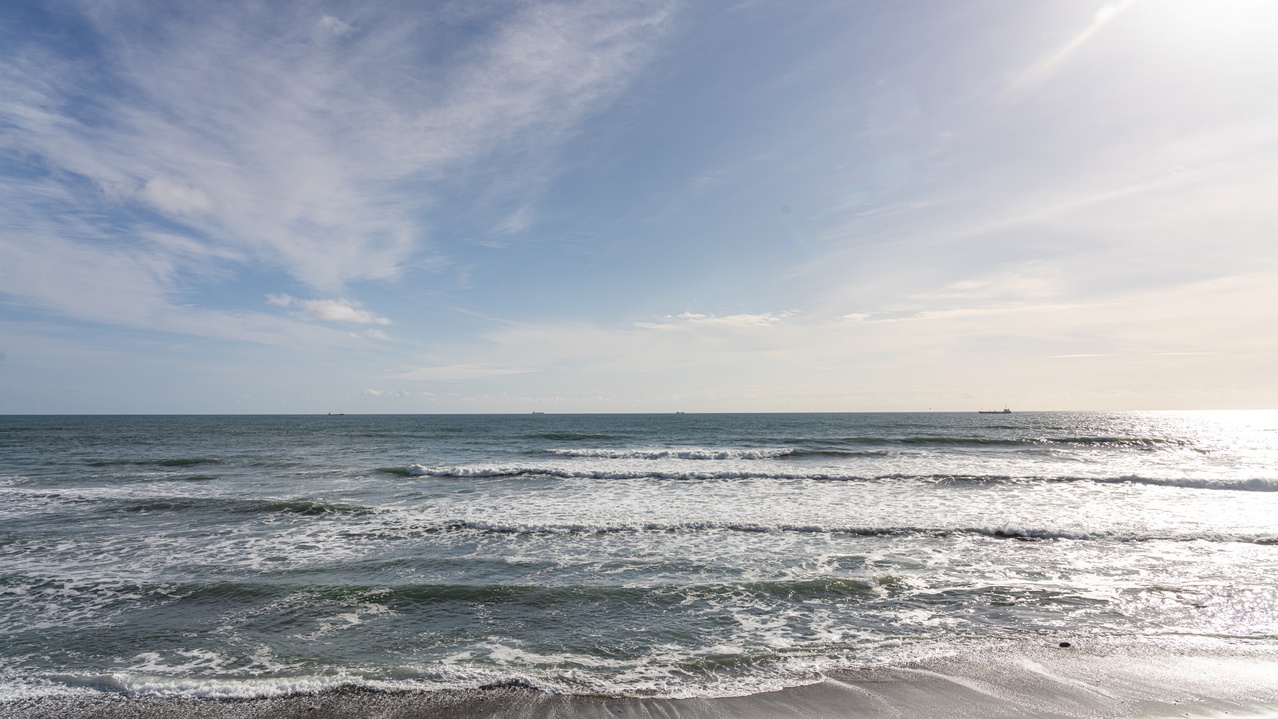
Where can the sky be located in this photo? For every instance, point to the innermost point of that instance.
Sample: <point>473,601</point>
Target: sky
<point>638,206</point>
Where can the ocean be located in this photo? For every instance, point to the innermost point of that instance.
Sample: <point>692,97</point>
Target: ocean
<point>680,555</point>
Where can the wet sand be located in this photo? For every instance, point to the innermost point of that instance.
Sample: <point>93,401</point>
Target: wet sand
<point>1046,681</point>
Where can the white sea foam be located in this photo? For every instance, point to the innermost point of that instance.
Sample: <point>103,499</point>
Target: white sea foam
<point>687,453</point>
<point>153,685</point>
<point>994,532</point>
<point>1254,484</point>
<point>694,568</point>
<point>666,676</point>
<point>419,470</point>
<point>1258,484</point>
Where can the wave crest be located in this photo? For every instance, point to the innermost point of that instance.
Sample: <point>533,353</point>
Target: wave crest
<point>690,453</point>
<point>1025,534</point>
<point>1254,484</point>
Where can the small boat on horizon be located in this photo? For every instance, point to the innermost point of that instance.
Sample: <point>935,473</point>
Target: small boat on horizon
<point>1005,410</point>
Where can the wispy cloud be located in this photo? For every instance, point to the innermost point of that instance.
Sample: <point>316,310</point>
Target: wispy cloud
<point>385,393</point>
<point>113,285</point>
<point>297,139</point>
<point>461,372</point>
<point>1077,235</point>
<point>758,210</point>
<point>340,310</point>
<point>688,320</point>
<point>784,360</point>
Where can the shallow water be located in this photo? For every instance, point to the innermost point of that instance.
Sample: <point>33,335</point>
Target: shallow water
<point>667,555</point>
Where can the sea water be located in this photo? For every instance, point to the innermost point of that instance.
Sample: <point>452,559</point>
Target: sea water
<point>652,555</point>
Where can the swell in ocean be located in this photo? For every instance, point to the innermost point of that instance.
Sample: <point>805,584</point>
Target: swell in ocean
<point>1253,484</point>
<point>636,555</point>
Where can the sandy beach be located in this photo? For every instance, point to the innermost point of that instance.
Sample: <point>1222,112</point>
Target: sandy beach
<point>1046,681</point>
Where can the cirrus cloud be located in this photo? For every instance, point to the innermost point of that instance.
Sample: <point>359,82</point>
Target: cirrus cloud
<point>308,139</point>
<point>339,310</point>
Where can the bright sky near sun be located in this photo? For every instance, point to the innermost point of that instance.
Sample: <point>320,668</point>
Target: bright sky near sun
<point>767,205</point>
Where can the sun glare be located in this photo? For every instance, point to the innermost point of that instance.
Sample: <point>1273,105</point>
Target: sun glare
<point>1223,21</point>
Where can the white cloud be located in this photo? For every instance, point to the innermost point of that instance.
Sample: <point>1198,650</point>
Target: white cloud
<point>691,320</point>
<point>46,265</point>
<point>123,286</point>
<point>461,372</point>
<point>386,394</point>
<point>765,319</point>
<point>104,284</point>
<point>175,197</point>
<point>332,26</point>
<point>340,310</point>
<point>182,246</point>
<point>1187,346</point>
<point>309,148</point>
<point>1083,233</point>
<point>518,221</point>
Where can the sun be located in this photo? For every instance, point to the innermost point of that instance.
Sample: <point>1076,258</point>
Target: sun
<point>1221,19</point>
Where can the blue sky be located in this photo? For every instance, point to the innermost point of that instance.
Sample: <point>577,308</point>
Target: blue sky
<point>638,206</point>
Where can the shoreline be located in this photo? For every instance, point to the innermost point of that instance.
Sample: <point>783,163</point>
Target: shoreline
<point>1095,682</point>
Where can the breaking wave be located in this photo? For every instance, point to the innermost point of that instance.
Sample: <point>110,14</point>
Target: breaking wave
<point>1255,484</point>
<point>1000,532</point>
<point>719,454</point>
